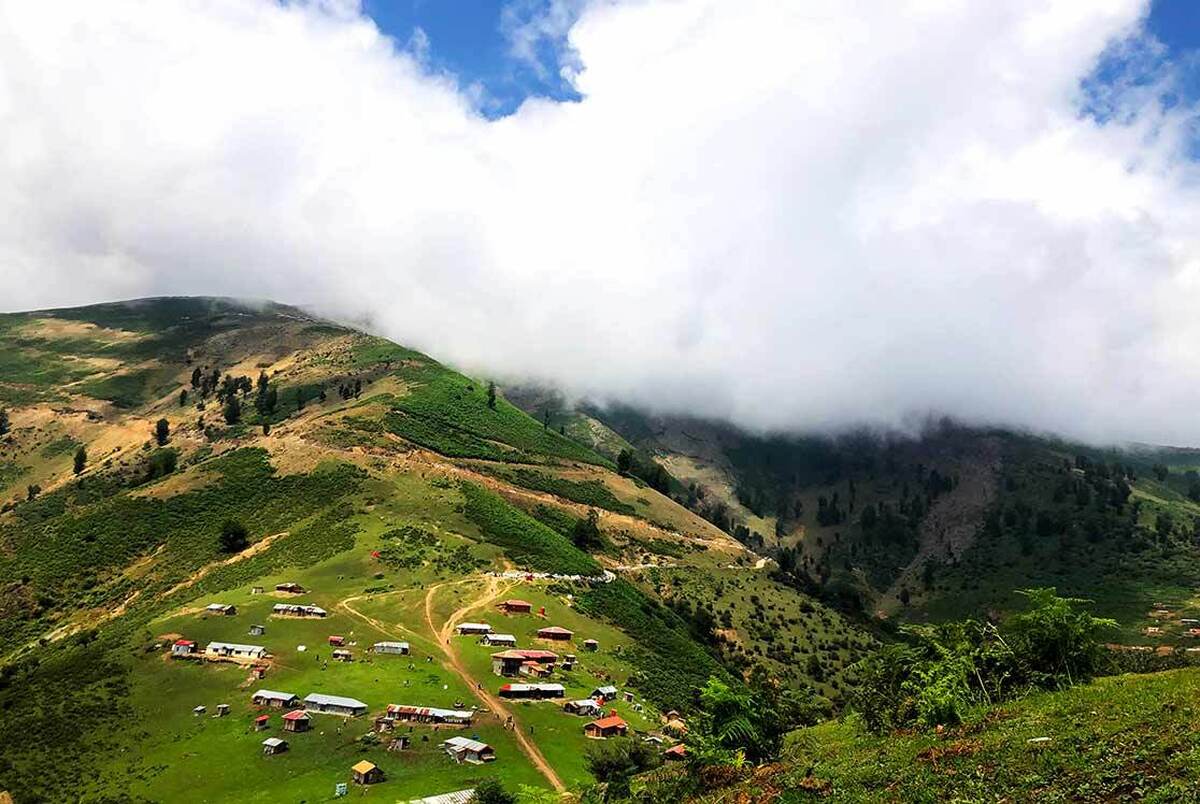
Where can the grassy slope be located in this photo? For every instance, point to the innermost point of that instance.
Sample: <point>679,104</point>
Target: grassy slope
<point>1122,738</point>
<point>343,497</point>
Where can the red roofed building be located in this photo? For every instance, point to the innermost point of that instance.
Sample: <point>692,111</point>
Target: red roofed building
<point>509,662</point>
<point>296,720</point>
<point>262,722</point>
<point>675,752</point>
<point>183,647</point>
<point>602,729</point>
<point>555,632</point>
<point>516,606</point>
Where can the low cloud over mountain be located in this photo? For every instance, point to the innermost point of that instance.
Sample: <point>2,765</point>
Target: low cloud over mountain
<point>792,215</point>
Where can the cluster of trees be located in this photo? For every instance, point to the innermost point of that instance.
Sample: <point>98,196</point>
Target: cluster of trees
<point>646,469</point>
<point>4,423</point>
<point>234,537</point>
<point>939,672</point>
<point>586,533</point>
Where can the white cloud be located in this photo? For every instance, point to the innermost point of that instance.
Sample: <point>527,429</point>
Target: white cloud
<point>793,215</point>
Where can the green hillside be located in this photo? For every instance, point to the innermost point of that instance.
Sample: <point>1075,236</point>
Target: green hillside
<point>140,439</point>
<point>1124,738</point>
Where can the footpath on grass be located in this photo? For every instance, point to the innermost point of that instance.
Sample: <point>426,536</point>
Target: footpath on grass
<point>493,590</point>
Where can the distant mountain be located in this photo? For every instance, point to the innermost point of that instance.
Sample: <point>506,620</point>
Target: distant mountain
<point>934,526</point>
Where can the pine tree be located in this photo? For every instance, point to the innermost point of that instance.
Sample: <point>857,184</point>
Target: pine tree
<point>232,410</point>
<point>491,395</point>
<point>4,424</point>
<point>80,459</point>
<point>162,432</point>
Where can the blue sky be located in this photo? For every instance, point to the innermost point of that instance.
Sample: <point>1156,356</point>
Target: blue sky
<point>469,38</point>
<point>472,39</point>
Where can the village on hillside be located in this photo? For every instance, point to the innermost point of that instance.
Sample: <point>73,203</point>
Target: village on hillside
<point>508,685</point>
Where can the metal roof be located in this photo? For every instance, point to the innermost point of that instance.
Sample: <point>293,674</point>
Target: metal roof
<point>274,742</point>
<point>466,744</point>
<point>533,687</point>
<point>457,797</point>
<point>273,695</point>
<point>235,646</point>
<point>334,700</point>
<point>431,711</point>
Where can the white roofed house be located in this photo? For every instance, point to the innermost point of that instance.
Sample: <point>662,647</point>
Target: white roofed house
<point>277,700</point>
<point>297,610</point>
<point>462,749</point>
<point>457,797</point>
<point>506,640</point>
<point>584,706</point>
<point>233,650</point>
<point>606,693</point>
<point>223,609</point>
<point>473,628</point>
<point>334,705</point>
<point>424,714</point>
<point>274,745</point>
<point>398,648</point>
<point>535,691</point>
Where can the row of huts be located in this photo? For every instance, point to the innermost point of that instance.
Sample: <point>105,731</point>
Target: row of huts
<point>552,632</point>
<point>314,702</point>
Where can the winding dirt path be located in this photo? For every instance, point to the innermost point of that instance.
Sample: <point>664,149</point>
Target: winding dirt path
<point>494,588</point>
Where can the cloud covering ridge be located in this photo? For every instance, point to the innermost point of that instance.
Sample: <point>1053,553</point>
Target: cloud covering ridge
<point>791,215</point>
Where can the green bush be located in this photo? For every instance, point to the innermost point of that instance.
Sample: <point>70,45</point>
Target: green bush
<point>525,540</point>
<point>941,671</point>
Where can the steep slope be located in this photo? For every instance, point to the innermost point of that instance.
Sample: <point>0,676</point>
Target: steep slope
<point>1123,738</point>
<point>388,486</point>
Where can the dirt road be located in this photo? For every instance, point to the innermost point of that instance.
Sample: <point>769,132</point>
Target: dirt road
<point>494,588</point>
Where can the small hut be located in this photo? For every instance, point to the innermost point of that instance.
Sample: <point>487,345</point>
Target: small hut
<point>183,647</point>
<point>222,710</point>
<point>477,629</point>
<point>366,773</point>
<point>611,726</point>
<point>274,745</point>
<point>257,630</point>
<point>555,632</point>
<point>463,749</point>
<point>296,721</point>
<point>591,644</point>
<point>262,722</point>
<point>341,655</point>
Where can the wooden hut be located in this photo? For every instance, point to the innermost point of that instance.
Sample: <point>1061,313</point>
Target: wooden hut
<point>555,632</point>
<point>516,607</point>
<point>602,729</point>
<point>366,773</point>
<point>274,745</point>
<point>297,721</point>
